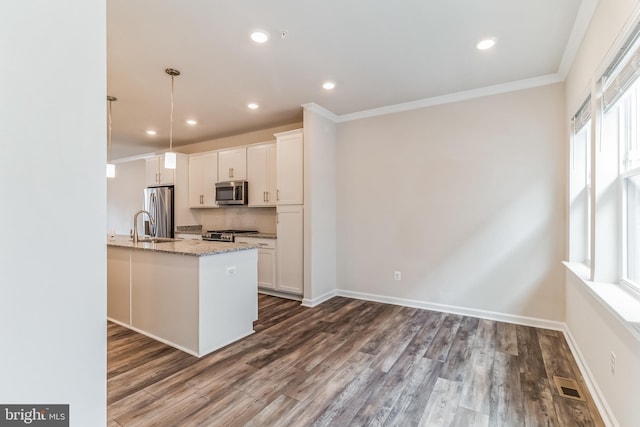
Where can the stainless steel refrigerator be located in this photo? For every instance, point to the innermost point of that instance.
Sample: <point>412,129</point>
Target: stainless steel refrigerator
<point>159,202</point>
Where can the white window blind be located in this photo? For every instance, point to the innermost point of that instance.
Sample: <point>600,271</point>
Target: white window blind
<point>583,116</point>
<point>623,71</point>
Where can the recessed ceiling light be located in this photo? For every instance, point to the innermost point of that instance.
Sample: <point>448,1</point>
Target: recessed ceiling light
<point>486,44</point>
<point>151,132</point>
<point>259,36</point>
<point>253,106</point>
<point>328,85</point>
<point>192,122</point>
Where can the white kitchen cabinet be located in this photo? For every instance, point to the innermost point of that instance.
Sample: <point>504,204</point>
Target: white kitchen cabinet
<point>290,257</point>
<point>157,174</point>
<point>232,164</point>
<point>203,175</point>
<point>266,260</point>
<point>290,159</point>
<point>261,174</point>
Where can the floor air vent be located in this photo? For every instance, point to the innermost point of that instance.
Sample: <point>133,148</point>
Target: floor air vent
<point>568,388</point>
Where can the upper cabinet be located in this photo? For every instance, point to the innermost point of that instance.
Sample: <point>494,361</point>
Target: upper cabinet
<point>290,160</point>
<point>232,164</point>
<point>261,174</point>
<point>157,174</point>
<point>203,175</point>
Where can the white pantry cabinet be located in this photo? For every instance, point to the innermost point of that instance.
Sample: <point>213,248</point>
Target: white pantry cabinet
<point>232,164</point>
<point>261,174</point>
<point>290,159</point>
<point>203,175</point>
<point>266,260</point>
<point>157,174</point>
<point>290,257</point>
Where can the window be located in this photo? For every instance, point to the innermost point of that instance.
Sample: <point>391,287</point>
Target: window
<point>580,186</point>
<point>621,121</point>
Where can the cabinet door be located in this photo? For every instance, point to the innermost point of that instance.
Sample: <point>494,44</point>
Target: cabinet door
<point>290,158</point>
<point>261,170</point>
<point>203,174</point>
<point>232,164</point>
<point>166,176</point>
<point>267,268</point>
<point>157,174</point>
<point>290,249</point>
<point>152,171</point>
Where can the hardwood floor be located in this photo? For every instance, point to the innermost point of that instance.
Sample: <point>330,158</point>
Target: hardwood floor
<point>350,363</point>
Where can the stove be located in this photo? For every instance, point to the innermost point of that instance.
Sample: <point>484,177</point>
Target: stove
<point>224,235</point>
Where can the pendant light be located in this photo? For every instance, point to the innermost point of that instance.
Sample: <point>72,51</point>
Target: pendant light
<point>170,156</point>
<point>111,168</point>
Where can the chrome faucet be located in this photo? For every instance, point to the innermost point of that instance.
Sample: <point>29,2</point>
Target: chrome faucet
<point>135,224</point>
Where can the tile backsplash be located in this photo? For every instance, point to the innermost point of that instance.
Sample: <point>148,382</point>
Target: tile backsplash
<point>239,218</point>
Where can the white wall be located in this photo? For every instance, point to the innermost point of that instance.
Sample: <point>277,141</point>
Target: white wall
<point>596,332</point>
<point>319,206</point>
<point>125,196</point>
<point>53,192</point>
<point>465,199</point>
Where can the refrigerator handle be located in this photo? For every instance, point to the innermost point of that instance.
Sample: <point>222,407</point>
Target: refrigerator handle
<point>153,204</point>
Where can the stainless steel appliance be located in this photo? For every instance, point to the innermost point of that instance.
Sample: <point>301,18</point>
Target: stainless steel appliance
<point>224,235</point>
<point>232,193</point>
<point>159,202</point>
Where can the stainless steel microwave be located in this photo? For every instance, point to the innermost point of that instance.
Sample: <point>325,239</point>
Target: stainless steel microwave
<point>232,193</point>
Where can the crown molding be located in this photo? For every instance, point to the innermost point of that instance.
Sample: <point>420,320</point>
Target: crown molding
<point>320,110</point>
<point>580,26</point>
<point>454,97</point>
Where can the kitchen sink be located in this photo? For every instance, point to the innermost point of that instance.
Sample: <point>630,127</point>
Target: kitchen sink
<point>156,240</point>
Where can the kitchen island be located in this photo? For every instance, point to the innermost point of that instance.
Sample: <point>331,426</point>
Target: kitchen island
<point>196,296</point>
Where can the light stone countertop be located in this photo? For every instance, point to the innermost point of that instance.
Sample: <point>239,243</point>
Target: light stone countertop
<point>181,247</point>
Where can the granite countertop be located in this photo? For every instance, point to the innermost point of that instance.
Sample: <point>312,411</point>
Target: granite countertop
<point>181,247</point>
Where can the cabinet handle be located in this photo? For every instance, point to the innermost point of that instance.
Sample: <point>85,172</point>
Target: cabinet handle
<point>262,244</point>
<point>202,199</point>
<point>264,196</point>
<point>230,172</point>
<point>277,218</point>
<point>278,194</point>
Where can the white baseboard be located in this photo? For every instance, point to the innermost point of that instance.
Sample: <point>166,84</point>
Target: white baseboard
<point>306,302</point>
<point>279,294</point>
<point>482,314</point>
<point>598,397</point>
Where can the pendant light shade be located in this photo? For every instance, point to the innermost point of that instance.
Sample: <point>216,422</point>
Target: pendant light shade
<point>170,156</point>
<point>111,168</point>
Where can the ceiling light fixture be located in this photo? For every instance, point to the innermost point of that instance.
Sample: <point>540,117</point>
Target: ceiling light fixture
<point>151,132</point>
<point>259,36</point>
<point>192,122</point>
<point>170,156</point>
<point>253,106</point>
<point>486,44</point>
<point>328,85</point>
<point>111,168</point>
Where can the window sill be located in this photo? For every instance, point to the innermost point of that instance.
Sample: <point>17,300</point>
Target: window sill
<point>623,303</point>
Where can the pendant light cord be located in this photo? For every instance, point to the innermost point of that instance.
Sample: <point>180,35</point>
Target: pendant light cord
<point>171,119</point>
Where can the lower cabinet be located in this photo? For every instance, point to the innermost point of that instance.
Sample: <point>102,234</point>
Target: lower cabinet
<point>290,263</point>
<point>266,260</point>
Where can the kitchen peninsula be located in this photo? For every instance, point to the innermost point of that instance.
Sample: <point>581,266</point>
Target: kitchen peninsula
<point>196,296</point>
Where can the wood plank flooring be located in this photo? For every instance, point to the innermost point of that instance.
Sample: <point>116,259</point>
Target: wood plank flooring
<point>350,363</point>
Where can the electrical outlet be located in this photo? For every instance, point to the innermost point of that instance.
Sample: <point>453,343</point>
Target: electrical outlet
<point>613,363</point>
<point>397,275</point>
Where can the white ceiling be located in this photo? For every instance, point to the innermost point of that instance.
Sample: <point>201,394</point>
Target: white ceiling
<point>378,52</point>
